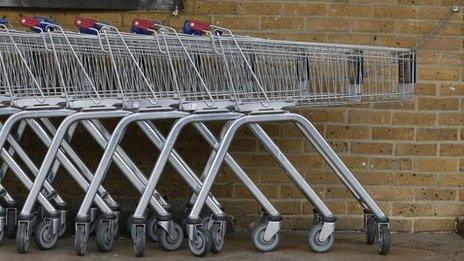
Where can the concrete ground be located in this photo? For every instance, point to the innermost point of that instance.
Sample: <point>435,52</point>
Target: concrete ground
<point>348,246</point>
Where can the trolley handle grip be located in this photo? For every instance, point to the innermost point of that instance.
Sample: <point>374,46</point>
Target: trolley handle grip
<point>142,26</point>
<point>31,22</point>
<point>4,21</point>
<point>195,27</point>
<point>85,23</point>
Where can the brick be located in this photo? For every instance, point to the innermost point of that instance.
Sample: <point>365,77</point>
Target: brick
<point>369,117</point>
<point>282,23</point>
<point>371,148</point>
<point>412,209</point>
<point>392,193</point>
<point>452,150</point>
<point>326,24</point>
<point>452,179</point>
<point>439,104</point>
<point>427,12</point>
<point>451,118</point>
<point>397,133</point>
<point>338,193</point>
<point>217,7</point>
<point>394,105</point>
<point>437,134</point>
<point>355,162</point>
<point>259,8</point>
<point>305,9</point>
<point>435,194</point>
<point>439,73</point>
<point>413,149</point>
<point>237,22</point>
<point>451,89</point>
<point>424,27</point>
<point>395,12</point>
<point>372,26</point>
<point>425,89</point>
<point>413,118</point>
<point>449,210</point>
<point>433,224</point>
<point>413,179</point>
<point>435,164</point>
<point>391,163</point>
<point>324,115</point>
<point>347,132</point>
<point>344,10</point>
<point>321,177</point>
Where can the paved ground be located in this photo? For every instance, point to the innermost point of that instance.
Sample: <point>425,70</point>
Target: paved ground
<point>348,246</point>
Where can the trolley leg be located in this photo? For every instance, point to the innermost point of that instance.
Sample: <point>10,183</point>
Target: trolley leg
<point>81,165</point>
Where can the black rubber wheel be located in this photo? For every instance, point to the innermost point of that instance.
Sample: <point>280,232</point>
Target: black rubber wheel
<point>22,239</point>
<point>257,238</point>
<point>370,230</point>
<point>383,239</point>
<point>104,236</point>
<point>202,244</point>
<point>315,244</point>
<point>44,237</point>
<point>80,241</point>
<point>139,241</point>
<point>217,238</point>
<point>171,242</point>
<point>10,223</point>
<point>153,229</point>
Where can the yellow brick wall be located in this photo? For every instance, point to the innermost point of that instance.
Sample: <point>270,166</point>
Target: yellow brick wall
<point>409,156</point>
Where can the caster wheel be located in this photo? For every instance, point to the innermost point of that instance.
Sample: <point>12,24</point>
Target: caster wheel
<point>11,223</point>
<point>104,237</point>
<point>315,244</point>
<point>383,239</point>
<point>217,238</point>
<point>80,241</point>
<point>171,242</point>
<point>153,229</point>
<point>201,245</point>
<point>370,230</point>
<point>139,241</point>
<point>22,239</point>
<point>257,238</point>
<point>44,237</point>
